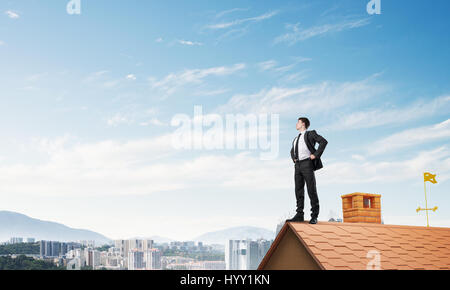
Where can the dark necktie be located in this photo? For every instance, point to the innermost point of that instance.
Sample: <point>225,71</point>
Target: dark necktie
<point>296,146</point>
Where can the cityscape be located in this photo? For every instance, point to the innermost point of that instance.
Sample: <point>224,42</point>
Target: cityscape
<point>140,254</point>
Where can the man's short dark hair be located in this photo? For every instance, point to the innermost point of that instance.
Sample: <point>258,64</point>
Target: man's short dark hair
<point>306,121</point>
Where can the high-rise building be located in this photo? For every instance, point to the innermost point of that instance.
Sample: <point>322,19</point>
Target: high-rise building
<point>48,249</point>
<point>52,248</point>
<point>252,255</point>
<point>135,244</point>
<point>81,255</point>
<point>124,246</point>
<point>236,255</point>
<point>148,259</point>
<point>147,245</point>
<point>112,258</point>
<point>95,258</point>
<point>263,248</point>
<point>64,247</point>
<point>135,260</point>
<point>152,259</point>
<point>55,248</point>
<point>279,227</point>
<point>89,257</point>
<point>245,254</point>
<point>30,240</point>
<point>42,248</point>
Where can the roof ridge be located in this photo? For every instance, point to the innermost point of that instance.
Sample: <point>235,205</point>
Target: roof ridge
<point>381,225</point>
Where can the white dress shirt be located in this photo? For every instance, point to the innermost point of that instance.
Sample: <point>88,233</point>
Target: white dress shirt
<point>303,151</point>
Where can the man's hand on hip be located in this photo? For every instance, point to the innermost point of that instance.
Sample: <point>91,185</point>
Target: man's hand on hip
<point>313,157</point>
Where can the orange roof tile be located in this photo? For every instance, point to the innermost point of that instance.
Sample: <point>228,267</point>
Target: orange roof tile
<point>346,245</point>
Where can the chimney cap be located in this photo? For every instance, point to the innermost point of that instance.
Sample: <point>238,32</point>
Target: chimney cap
<point>361,194</point>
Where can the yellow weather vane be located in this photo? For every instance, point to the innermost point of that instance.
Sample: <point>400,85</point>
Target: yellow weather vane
<point>431,178</point>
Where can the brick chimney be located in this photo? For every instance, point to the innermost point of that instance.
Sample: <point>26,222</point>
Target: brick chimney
<point>361,208</point>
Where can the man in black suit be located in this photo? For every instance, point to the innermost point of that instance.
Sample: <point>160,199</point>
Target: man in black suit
<point>307,160</point>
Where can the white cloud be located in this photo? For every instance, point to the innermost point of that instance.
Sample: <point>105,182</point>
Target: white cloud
<point>411,137</point>
<point>415,220</point>
<point>359,172</point>
<point>358,157</point>
<point>131,77</point>
<point>267,65</point>
<point>134,114</point>
<point>297,34</point>
<point>259,18</point>
<point>378,117</point>
<point>159,39</point>
<point>272,65</point>
<point>189,43</point>
<point>133,167</point>
<point>232,34</point>
<point>225,12</point>
<point>37,77</point>
<point>306,99</point>
<point>105,80</point>
<point>213,92</point>
<point>142,167</point>
<point>111,83</point>
<point>2,43</point>
<point>95,76</point>
<point>174,81</point>
<point>153,121</point>
<point>294,77</point>
<point>118,119</point>
<point>12,14</point>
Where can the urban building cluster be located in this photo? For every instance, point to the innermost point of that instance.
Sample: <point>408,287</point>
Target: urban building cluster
<point>188,246</point>
<point>144,254</point>
<point>183,263</point>
<point>132,254</point>
<point>136,254</point>
<point>55,249</point>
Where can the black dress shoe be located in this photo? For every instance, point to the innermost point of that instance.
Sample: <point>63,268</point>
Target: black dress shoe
<point>313,221</point>
<point>296,218</point>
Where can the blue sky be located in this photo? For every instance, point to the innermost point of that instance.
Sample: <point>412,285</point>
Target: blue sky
<point>86,104</point>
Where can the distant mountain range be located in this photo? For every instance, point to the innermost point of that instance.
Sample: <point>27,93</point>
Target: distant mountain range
<point>14,224</point>
<point>236,233</point>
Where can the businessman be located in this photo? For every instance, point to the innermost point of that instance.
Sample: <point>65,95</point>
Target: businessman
<point>307,161</point>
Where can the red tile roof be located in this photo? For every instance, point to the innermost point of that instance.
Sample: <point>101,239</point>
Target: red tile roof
<point>346,245</point>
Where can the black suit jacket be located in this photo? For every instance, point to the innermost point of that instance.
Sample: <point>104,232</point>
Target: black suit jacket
<point>311,138</point>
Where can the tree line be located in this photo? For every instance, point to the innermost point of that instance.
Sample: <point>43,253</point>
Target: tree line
<point>23,262</point>
<point>19,249</point>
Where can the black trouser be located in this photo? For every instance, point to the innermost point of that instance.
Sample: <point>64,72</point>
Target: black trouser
<point>304,172</point>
